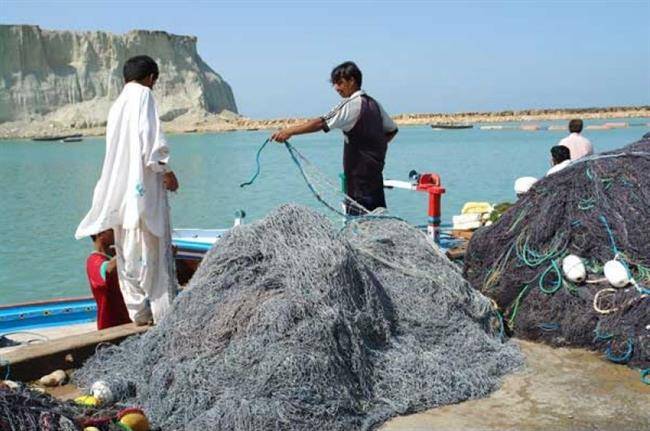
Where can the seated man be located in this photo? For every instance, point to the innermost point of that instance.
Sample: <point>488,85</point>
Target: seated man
<point>101,267</point>
<point>560,159</point>
<point>578,145</point>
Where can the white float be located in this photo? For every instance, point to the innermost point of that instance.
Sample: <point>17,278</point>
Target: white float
<point>616,273</point>
<point>102,392</point>
<point>574,269</point>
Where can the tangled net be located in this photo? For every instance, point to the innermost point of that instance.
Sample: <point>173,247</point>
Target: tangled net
<point>598,209</point>
<point>290,323</point>
<point>25,409</point>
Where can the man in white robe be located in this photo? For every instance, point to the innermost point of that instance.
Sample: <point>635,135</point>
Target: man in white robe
<point>130,196</point>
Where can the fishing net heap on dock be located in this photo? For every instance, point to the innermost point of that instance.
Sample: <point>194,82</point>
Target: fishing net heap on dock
<point>291,324</point>
<point>599,210</point>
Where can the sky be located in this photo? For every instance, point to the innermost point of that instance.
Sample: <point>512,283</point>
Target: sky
<point>416,56</point>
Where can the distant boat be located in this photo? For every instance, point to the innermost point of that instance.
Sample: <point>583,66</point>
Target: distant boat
<point>59,138</point>
<point>450,126</point>
<point>72,139</point>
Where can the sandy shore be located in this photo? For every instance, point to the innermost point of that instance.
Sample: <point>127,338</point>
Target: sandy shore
<point>217,123</point>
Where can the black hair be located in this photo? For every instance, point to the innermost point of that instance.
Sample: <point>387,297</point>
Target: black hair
<point>93,237</point>
<point>560,153</point>
<point>139,67</point>
<point>575,125</point>
<point>346,70</point>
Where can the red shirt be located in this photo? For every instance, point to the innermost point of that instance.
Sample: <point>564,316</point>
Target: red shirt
<point>111,310</point>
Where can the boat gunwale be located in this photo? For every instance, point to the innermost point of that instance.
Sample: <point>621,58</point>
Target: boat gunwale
<point>47,302</point>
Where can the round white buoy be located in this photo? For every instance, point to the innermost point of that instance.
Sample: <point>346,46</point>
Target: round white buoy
<point>574,269</point>
<point>102,392</point>
<point>616,273</point>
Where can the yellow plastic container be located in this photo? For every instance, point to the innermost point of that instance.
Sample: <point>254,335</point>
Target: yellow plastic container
<point>476,208</point>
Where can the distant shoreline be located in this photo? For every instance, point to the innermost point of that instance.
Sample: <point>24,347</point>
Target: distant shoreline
<point>212,123</point>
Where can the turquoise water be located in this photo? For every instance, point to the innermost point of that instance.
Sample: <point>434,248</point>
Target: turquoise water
<point>47,187</point>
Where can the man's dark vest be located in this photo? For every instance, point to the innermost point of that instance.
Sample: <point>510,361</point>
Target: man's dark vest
<point>365,151</point>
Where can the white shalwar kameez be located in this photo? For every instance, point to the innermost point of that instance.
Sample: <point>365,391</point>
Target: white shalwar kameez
<point>130,199</point>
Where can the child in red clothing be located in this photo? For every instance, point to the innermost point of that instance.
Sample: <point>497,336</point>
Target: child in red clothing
<point>101,267</point>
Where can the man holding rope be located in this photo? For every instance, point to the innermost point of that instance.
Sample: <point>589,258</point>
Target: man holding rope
<point>367,129</point>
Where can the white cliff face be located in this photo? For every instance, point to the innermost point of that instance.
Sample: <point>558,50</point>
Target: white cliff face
<point>73,77</point>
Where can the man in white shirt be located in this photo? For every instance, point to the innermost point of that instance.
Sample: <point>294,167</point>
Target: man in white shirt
<point>367,128</point>
<point>560,158</point>
<point>578,145</point>
<point>130,196</point>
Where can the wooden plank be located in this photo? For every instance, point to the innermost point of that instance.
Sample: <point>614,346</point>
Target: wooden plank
<point>33,361</point>
<point>456,253</point>
<point>464,234</point>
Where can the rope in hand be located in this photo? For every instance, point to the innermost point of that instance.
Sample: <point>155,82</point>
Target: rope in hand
<point>296,156</point>
<point>300,161</point>
<point>259,167</point>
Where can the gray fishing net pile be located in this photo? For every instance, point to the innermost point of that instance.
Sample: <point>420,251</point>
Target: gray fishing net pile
<point>291,323</point>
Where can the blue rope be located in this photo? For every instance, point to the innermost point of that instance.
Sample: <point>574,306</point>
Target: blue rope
<point>622,358</point>
<point>532,258</point>
<point>600,336</point>
<point>586,204</point>
<point>502,326</point>
<point>259,167</point>
<point>642,290</point>
<point>296,157</point>
<point>645,376</point>
<point>558,282</point>
<point>607,183</point>
<point>609,232</point>
<point>548,327</point>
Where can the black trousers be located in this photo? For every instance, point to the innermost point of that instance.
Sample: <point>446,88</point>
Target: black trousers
<point>369,201</point>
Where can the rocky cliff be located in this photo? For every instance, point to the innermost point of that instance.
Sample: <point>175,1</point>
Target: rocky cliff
<point>71,78</point>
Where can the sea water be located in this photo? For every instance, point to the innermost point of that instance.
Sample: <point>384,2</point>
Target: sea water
<point>46,187</point>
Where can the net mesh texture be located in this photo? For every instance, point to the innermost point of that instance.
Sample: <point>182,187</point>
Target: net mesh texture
<point>598,209</point>
<point>293,323</point>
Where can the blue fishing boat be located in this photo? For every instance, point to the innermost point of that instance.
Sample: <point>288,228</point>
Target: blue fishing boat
<point>190,245</point>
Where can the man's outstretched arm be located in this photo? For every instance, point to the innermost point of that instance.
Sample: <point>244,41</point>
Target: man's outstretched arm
<point>311,126</point>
